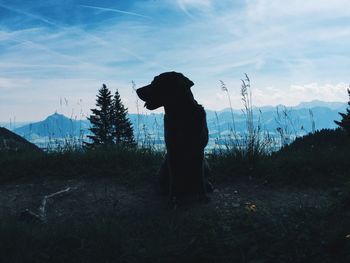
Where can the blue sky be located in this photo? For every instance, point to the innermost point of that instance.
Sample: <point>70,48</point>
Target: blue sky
<point>55,55</point>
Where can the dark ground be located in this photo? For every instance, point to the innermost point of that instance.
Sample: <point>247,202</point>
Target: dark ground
<point>91,197</point>
<point>102,220</point>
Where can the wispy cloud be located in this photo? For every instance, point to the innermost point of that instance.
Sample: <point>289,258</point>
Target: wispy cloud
<point>319,9</point>
<point>28,14</point>
<point>115,11</point>
<point>196,4</point>
<point>309,92</point>
<point>187,5</point>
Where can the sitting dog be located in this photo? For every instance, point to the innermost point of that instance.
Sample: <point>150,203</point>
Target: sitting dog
<point>185,134</point>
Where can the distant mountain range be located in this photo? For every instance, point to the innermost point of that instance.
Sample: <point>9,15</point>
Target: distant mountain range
<point>340,106</point>
<point>298,120</point>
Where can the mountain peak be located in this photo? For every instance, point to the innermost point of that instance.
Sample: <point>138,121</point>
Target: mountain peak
<point>56,116</point>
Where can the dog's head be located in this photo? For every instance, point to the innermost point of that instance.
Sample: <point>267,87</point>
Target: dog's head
<point>169,88</point>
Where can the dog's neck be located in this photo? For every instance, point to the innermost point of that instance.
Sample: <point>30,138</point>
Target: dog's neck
<point>184,109</point>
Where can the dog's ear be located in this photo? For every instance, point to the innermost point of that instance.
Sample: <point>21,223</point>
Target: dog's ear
<point>183,81</point>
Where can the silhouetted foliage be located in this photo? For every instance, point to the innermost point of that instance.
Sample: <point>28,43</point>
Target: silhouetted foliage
<point>122,130</point>
<point>345,122</point>
<point>101,119</point>
<point>109,121</point>
<point>316,159</point>
<point>325,139</point>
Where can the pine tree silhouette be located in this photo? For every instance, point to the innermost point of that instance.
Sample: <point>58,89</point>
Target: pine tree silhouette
<point>345,122</point>
<point>122,128</point>
<point>101,119</point>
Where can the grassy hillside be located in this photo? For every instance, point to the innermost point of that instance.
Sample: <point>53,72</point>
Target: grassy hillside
<point>119,162</point>
<point>13,143</point>
<point>317,159</point>
<point>288,206</point>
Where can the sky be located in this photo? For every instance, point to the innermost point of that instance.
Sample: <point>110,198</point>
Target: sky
<point>55,55</point>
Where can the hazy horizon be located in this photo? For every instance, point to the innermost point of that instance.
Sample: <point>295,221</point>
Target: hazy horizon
<point>54,56</point>
<point>147,112</point>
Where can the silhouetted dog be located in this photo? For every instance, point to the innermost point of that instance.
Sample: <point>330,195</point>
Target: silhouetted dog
<point>185,133</point>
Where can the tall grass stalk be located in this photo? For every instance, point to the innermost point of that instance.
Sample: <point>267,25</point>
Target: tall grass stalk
<point>133,86</point>
<point>225,89</point>
<point>255,142</point>
<point>287,125</point>
<point>252,133</point>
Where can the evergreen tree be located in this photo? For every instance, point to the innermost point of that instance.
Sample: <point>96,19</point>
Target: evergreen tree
<point>101,119</point>
<point>122,128</point>
<point>345,122</point>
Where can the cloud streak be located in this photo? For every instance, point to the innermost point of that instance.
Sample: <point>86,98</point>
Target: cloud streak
<point>28,14</point>
<point>115,11</point>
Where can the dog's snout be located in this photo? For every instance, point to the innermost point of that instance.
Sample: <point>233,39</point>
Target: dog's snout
<point>140,92</point>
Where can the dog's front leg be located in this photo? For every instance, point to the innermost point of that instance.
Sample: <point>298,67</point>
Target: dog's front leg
<point>173,191</point>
